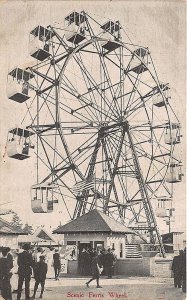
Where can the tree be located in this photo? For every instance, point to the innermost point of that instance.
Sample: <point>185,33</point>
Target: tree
<point>16,222</point>
<point>28,229</point>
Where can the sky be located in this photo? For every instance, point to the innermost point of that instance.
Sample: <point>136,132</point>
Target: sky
<point>160,25</point>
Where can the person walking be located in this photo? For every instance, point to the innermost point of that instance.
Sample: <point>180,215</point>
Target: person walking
<point>56,264</point>
<point>177,269</point>
<point>25,264</point>
<point>40,271</point>
<point>96,269</point>
<point>5,266</point>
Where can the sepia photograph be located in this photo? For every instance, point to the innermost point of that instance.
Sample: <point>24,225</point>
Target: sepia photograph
<point>93,150</point>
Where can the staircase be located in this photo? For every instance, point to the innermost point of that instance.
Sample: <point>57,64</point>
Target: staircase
<point>132,251</point>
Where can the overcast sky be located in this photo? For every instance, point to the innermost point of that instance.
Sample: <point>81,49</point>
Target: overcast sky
<point>160,25</point>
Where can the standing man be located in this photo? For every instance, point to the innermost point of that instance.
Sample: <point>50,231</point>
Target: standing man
<point>9,257</point>
<point>177,269</point>
<point>40,275</point>
<point>114,259</point>
<point>5,266</point>
<point>184,271</point>
<point>56,264</point>
<point>25,264</point>
<point>109,261</point>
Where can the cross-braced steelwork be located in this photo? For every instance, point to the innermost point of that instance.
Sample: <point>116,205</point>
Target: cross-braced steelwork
<point>102,123</point>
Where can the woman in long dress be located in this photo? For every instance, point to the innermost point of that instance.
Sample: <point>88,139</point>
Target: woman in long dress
<point>14,278</point>
<point>49,261</point>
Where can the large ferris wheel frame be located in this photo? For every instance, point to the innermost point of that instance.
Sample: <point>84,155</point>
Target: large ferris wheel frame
<point>105,111</point>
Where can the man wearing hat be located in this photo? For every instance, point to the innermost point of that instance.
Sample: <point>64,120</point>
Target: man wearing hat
<point>56,264</point>
<point>40,271</point>
<point>5,274</point>
<point>184,271</point>
<point>25,264</point>
<point>177,269</point>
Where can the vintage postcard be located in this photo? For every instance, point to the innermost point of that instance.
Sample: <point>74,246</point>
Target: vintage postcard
<point>93,159</point>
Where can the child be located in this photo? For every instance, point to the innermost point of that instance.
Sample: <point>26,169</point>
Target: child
<point>40,271</point>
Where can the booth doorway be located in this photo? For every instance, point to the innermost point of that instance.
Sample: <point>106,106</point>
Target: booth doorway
<point>99,244</point>
<point>85,245</point>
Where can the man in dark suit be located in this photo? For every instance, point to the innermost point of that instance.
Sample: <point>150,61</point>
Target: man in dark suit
<point>40,271</point>
<point>25,264</point>
<point>9,257</point>
<point>109,261</point>
<point>184,271</point>
<point>5,274</point>
<point>177,269</point>
<point>56,264</point>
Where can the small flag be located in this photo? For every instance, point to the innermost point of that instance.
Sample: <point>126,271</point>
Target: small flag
<point>84,185</point>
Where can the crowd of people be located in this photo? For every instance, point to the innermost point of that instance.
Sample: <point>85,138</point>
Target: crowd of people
<point>106,259</point>
<point>42,263</point>
<point>46,263</point>
<point>36,262</point>
<point>102,262</point>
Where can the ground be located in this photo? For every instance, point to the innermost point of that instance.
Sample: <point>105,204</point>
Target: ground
<point>125,288</point>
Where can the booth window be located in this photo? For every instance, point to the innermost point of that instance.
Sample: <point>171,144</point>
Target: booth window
<point>98,244</point>
<point>71,242</point>
<point>121,251</point>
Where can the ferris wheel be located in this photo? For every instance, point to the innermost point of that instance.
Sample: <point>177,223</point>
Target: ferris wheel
<point>100,123</point>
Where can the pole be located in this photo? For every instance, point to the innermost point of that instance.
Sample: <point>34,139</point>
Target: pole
<point>169,224</point>
<point>169,219</point>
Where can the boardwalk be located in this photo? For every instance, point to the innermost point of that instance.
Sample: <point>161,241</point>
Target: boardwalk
<point>131,288</point>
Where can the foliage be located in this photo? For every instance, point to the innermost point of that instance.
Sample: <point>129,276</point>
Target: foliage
<point>28,229</point>
<point>16,221</point>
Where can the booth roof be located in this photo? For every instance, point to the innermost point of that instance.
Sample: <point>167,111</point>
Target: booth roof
<point>28,239</point>
<point>7,228</point>
<point>93,221</point>
<point>44,235</point>
<point>171,233</point>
